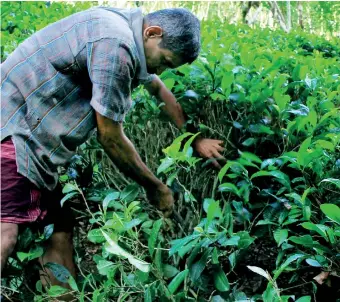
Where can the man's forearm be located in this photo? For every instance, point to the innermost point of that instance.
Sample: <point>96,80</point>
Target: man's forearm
<point>171,107</point>
<point>125,156</point>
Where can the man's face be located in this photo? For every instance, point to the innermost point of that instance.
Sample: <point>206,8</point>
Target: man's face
<point>157,59</point>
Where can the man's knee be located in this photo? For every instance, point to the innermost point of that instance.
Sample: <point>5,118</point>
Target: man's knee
<point>60,240</point>
<point>9,236</point>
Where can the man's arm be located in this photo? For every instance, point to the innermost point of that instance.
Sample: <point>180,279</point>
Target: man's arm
<point>122,152</point>
<point>206,148</point>
<point>171,107</point>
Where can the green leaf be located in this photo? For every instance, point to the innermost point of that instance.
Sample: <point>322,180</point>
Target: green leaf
<point>220,280</point>
<point>130,193</point>
<point>214,256</point>
<point>305,240</point>
<point>178,140</point>
<point>73,283</point>
<point>180,243</point>
<point>22,256</point>
<point>48,231</point>
<point>286,263</point>
<point>158,258</point>
<point>280,236</point>
<point>63,178</point>
<point>114,248</point>
<point>266,222</point>
<point>251,157</point>
<point>35,252</point>
<point>260,271</point>
<point>301,155</point>
<point>224,170</point>
<point>197,268</point>
<point>319,228</point>
<point>56,290</point>
<point>227,80</point>
<point>147,295</point>
<point>177,281</point>
<point>333,181</point>
<point>104,266</point>
<point>169,271</point>
<point>281,100</point>
<point>332,211</point>
<point>280,176</point>
<point>326,145</point>
<point>96,236</point>
<point>304,195</point>
<point>245,239</point>
<point>218,298</point>
<point>60,272</point>
<point>189,142</point>
<point>307,213</point>
<point>166,163</point>
<point>270,294</point>
<point>259,128</point>
<point>304,299</point>
<point>108,198</point>
<point>229,187</point>
<point>233,241</point>
<point>269,162</point>
<point>69,188</point>
<point>38,286</point>
<point>313,262</point>
<point>188,247</point>
<point>97,296</point>
<point>67,197</point>
<point>249,142</point>
<point>214,210</point>
<point>131,224</point>
<point>171,178</point>
<point>154,235</point>
<point>233,258</point>
<point>169,83</point>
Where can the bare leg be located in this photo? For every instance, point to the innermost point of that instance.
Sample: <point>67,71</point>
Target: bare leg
<point>9,236</point>
<point>60,250</point>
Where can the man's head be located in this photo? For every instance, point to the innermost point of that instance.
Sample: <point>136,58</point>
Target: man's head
<point>171,38</point>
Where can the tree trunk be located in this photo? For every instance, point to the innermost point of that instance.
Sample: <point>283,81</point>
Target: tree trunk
<point>246,6</point>
<point>253,18</point>
<point>309,18</point>
<point>300,15</point>
<point>279,15</point>
<point>289,17</point>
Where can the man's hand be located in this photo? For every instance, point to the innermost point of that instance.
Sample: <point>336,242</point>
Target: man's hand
<point>210,148</point>
<point>162,198</point>
<point>206,148</point>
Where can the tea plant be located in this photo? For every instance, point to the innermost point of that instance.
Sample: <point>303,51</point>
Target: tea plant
<point>265,227</point>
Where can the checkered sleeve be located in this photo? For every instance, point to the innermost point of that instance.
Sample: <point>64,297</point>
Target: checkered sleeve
<point>110,67</point>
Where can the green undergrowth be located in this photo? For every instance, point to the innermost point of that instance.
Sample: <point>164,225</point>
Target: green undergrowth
<point>260,229</point>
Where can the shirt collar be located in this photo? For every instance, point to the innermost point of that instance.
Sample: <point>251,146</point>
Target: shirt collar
<point>136,22</point>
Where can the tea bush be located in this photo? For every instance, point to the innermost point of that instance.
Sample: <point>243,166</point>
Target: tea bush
<point>266,227</point>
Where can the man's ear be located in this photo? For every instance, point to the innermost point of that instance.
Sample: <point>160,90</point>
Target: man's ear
<point>152,32</point>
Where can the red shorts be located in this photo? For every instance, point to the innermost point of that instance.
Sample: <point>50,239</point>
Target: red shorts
<point>22,202</point>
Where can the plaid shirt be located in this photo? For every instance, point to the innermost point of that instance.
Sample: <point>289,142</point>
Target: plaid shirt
<point>52,82</point>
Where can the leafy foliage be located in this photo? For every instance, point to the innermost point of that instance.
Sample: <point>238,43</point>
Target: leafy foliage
<point>274,99</point>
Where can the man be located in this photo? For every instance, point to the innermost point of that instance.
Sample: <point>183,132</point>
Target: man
<point>68,79</point>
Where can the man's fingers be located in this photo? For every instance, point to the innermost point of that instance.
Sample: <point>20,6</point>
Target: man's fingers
<point>219,148</point>
<point>216,164</point>
<point>217,155</point>
<point>167,213</point>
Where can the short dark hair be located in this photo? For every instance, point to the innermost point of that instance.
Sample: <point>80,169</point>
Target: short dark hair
<point>181,31</point>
